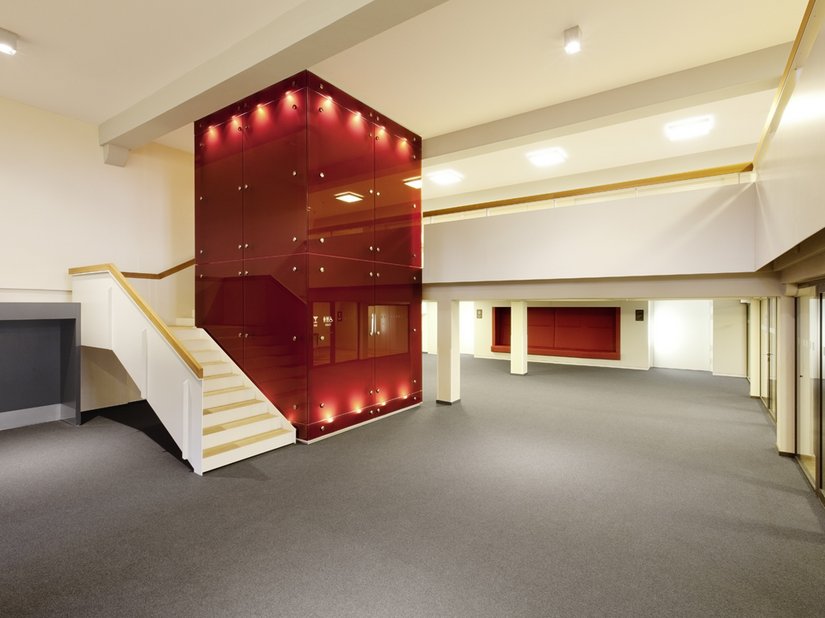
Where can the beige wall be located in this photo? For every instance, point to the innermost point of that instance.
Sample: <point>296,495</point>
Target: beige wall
<point>62,207</point>
<point>730,338</point>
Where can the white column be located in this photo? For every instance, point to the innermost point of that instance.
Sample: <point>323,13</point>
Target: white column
<point>785,374</point>
<point>448,365</point>
<point>518,337</point>
<point>754,372</point>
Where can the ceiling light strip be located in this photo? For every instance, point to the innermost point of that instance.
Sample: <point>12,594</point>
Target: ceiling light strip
<point>783,93</point>
<point>708,172</point>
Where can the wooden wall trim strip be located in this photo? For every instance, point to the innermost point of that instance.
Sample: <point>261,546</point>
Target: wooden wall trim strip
<point>160,275</point>
<point>709,172</point>
<point>167,334</point>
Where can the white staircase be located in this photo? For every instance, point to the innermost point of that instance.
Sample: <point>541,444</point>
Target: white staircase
<point>238,421</point>
<point>212,410</point>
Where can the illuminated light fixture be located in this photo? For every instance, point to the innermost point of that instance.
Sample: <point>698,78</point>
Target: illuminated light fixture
<point>445,177</point>
<point>573,40</point>
<point>349,197</point>
<point>547,157</point>
<point>8,42</point>
<point>414,182</point>
<point>689,128</point>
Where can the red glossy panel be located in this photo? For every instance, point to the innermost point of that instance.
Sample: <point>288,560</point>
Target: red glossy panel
<point>219,307</point>
<point>274,162</point>
<point>218,199</point>
<point>339,385</point>
<point>340,161</point>
<point>397,205</point>
<point>398,334</point>
<point>275,327</point>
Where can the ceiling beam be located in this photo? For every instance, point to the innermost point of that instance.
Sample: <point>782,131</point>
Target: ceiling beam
<point>741,75</point>
<point>312,31</point>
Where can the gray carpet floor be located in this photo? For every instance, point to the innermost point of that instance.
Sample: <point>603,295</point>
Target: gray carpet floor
<point>568,492</point>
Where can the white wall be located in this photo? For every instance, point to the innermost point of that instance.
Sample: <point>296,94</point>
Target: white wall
<point>635,347</point>
<point>62,207</point>
<point>466,326</point>
<point>791,182</point>
<point>429,327</point>
<point>730,338</point>
<point>681,334</point>
<point>694,232</point>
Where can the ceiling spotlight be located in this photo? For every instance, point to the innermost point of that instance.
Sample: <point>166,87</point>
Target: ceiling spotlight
<point>547,156</point>
<point>414,182</point>
<point>445,177</point>
<point>689,128</point>
<point>573,40</point>
<point>349,197</point>
<point>8,42</point>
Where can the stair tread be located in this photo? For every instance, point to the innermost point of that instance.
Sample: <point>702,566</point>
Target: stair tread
<point>215,362</point>
<point>222,391</point>
<point>238,423</point>
<point>232,406</point>
<point>230,446</point>
<point>220,375</point>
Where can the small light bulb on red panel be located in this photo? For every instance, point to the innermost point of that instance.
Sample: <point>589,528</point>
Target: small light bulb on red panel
<point>328,419</point>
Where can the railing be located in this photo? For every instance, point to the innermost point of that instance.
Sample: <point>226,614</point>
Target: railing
<point>615,190</point>
<point>115,317</point>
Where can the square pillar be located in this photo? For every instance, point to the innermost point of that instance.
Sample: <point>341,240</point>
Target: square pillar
<point>518,338</point>
<point>448,365</point>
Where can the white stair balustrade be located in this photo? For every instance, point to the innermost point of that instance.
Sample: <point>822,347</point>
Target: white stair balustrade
<point>212,410</point>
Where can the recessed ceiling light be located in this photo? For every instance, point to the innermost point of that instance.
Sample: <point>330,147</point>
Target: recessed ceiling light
<point>547,156</point>
<point>573,40</point>
<point>445,177</point>
<point>8,42</point>
<point>689,128</point>
<point>349,197</point>
<point>414,182</point>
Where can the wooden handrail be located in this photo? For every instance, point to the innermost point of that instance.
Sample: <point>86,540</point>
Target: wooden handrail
<point>160,275</point>
<point>167,334</point>
<point>782,90</point>
<point>708,172</point>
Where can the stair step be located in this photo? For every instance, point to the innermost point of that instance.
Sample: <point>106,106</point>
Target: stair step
<point>233,412</point>
<point>205,356</point>
<point>196,345</point>
<point>220,382</point>
<point>241,429</point>
<point>184,321</point>
<point>238,423</point>
<point>187,333</point>
<point>223,396</point>
<point>237,444</point>
<point>213,368</point>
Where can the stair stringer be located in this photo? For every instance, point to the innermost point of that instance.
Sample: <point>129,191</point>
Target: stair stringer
<point>215,351</point>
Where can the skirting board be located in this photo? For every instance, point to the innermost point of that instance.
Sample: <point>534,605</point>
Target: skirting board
<point>32,416</point>
<point>372,420</point>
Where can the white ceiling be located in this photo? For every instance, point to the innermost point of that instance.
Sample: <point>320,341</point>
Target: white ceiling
<point>450,72</point>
